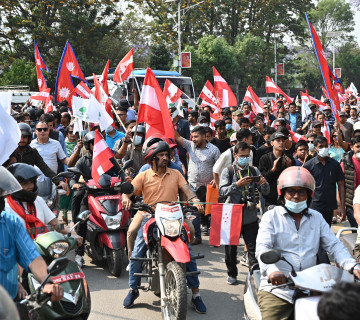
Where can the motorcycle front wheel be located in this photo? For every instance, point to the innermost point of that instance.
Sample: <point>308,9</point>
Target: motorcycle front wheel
<point>175,291</point>
<point>115,261</point>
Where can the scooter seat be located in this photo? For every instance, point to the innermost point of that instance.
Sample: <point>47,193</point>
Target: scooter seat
<point>349,241</point>
<point>256,278</point>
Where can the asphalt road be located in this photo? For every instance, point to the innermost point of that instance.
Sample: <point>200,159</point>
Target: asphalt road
<point>222,300</point>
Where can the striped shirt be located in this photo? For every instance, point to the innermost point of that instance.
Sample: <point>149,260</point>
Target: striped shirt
<point>16,246</point>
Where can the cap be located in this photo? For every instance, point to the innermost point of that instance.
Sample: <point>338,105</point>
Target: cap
<point>201,118</point>
<point>326,108</point>
<point>237,113</point>
<point>233,137</point>
<point>316,123</point>
<point>225,110</point>
<point>342,114</point>
<point>312,105</point>
<point>277,135</point>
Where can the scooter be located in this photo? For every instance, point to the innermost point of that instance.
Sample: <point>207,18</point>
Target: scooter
<point>108,222</point>
<point>314,280</point>
<point>167,237</point>
<point>348,237</point>
<point>76,303</point>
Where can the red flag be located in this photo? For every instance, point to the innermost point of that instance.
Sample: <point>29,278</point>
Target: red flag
<point>48,105</point>
<point>153,108</point>
<point>223,92</point>
<point>296,137</point>
<point>326,131</point>
<point>40,65</point>
<point>83,90</point>
<point>171,92</point>
<point>325,92</point>
<point>325,70</point>
<point>101,157</point>
<point>226,222</point>
<point>102,97</point>
<point>68,68</point>
<point>319,103</point>
<point>104,78</point>
<point>208,95</point>
<point>124,68</point>
<point>42,95</point>
<point>250,96</point>
<point>271,87</point>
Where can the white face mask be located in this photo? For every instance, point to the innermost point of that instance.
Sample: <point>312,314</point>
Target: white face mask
<point>138,140</point>
<point>204,124</point>
<point>324,152</point>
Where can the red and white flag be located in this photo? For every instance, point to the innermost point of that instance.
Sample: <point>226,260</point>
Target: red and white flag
<point>48,105</point>
<point>250,96</point>
<point>104,78</point>
<point>223,92</point>
<point>124,68</point>
<point>325,92</point>
<point>42,95</point>
<point>226,222</point>
<point>271,87</point>
<point>171,92</point>
<point>153,109</point>
<point>101,157</point>
<point>83,90</point>
<point>296,137</point>
<point>40,66</point>
<point>102,97</point>
<point>326,132</point>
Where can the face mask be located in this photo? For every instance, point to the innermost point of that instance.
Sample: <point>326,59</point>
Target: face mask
<point>243,161</point>
<point>357,155</point>
<point>204,124</point>
<point>324,152</point>
<point>228,127</point>
<point>138,140</point>
<point>311,147</point>
<point>109,129</point>
<point>296,207</point>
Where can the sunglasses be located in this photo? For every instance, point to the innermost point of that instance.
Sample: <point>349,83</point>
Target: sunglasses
<point>300,192</point>
<point>42,129</point>
<point>71,132</point>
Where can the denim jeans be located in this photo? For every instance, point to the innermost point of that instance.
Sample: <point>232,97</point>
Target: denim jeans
<point>139,251</point>
<point>350,216</point>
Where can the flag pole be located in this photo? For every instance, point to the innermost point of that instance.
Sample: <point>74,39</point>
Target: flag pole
<point>117,116</point>
<point>190,99</point>
<point>133,141</point>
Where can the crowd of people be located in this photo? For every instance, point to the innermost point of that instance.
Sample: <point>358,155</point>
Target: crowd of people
<point>243,155</point>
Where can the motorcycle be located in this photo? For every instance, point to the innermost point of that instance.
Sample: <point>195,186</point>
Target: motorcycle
<point>311,282</point>
<point>76,303</point>
<point>167,237</point>
<point>31,307</point>
<point>50,193</point>
<point>348,237</point>
<point>108,222</point>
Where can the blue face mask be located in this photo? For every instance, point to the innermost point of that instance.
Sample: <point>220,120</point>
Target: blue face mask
<point>228,127</point>
<point>296,207</point>
<point>243,161</point>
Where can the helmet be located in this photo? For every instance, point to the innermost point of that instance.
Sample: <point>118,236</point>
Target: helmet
<point>296,177</point>
<point>89,138</point>
<point>25,130</point>
<point>8,183</point>
<point>154,149</point>
<point>140,129</point>
<point>23,173</point>
<point>171,142</point>
<point>157,137</point>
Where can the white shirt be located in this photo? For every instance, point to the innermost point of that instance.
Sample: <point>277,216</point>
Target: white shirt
<point>43,213</point>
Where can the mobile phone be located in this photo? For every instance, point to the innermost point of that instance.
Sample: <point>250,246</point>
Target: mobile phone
<point>255,178</point>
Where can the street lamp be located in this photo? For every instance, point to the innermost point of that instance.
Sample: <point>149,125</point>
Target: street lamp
<point>334,34</point>
<point>179,26</point>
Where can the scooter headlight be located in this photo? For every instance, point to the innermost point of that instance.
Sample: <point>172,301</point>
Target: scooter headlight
<point>58,249</point>
<point>113,222</point>
<point>171,227</point>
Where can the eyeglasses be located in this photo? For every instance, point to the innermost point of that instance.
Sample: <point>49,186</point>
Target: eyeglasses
<point>300,192</point>
<point>266,108</point>
<point>71,132</point>
<point>122,114</point>
<point>42,129</point>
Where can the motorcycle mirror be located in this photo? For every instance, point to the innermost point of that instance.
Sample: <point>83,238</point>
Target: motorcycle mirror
<point>65,175</point>
<point>128,164</point>
<point>271,256</point>
<point>146,215</point>
<point>84,215</point>
<point>126,188</point>
<point>74,170</point>
<point>57,266</point>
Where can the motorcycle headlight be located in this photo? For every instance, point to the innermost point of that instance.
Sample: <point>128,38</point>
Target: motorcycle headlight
<point>112,222</point>
<point>58,249</point>
<point>171,227</point>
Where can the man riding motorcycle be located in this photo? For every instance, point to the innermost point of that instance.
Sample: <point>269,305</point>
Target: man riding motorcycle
<point>298,232</point>
<point>159,183</point>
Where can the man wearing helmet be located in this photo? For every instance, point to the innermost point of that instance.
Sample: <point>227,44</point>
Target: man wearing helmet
<point>80,198</point>
<point>17,247</point>
<point>159,183</point>
<point>297,231</point>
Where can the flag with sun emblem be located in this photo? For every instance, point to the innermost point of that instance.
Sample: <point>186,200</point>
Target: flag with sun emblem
<point>69,68</point>
<point>40,66</point>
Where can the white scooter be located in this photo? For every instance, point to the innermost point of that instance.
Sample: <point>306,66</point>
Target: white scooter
<point>314,280</point>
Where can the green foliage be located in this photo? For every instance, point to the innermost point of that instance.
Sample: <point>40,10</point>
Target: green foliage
<point>348,59</point>
<point>160,58</point>
<point>20,72</point>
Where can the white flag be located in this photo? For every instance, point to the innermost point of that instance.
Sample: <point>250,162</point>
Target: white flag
<point>305,110</point>
<point>5,101</point>
<point>9,135</point>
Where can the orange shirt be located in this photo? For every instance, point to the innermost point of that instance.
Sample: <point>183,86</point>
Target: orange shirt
<point>155,188</point>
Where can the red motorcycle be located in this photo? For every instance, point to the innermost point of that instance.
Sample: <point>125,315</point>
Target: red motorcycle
<point>108,222</point>
<point>167,237</point>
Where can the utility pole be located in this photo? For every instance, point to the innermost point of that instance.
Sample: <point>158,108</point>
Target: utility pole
<point>179,34</point>
<point>275,62</point>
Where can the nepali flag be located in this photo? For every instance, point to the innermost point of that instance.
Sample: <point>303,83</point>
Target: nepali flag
<point>104,78</point>
<point>172,93</point>
<point>69,68</point>
<point>297,137</point>
<point>226,222</point>
<point>42,95</point>
<point>250,96</point>
<point>101,157</point>
<point>153,109</point>
<point>124,68</point>
<point>271,87</point>
<point>325,70</point>
<point>40,65</point>
<point>223,92</point>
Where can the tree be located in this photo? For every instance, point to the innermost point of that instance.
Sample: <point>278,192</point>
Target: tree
<point>21,72</point>
<point>348,59</point>
<point>160,57</point>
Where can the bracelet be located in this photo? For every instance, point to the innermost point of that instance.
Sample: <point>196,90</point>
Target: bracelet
<point>126,142</point>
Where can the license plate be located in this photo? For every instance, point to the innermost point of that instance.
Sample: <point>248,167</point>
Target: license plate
<point>68,277</point>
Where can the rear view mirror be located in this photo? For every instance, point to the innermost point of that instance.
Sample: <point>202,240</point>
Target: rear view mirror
<point>126,188</point>
<point>271,256</point>
<point>57,266</point>
<point>74,170</point>
<point>128,164</point>
<point>84,215</point>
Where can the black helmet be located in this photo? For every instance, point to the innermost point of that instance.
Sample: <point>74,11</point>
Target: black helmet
<point>23,173</point>
<point>8,183</point>
<point>89,138</point>
<point>154,149</point>
<point>25,130</point>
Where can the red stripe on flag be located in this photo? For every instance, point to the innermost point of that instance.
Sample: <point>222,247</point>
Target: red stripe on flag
<point>236,224</point>
<point>215,230</point>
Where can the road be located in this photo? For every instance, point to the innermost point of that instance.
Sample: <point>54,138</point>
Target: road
<point>221,299</point>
